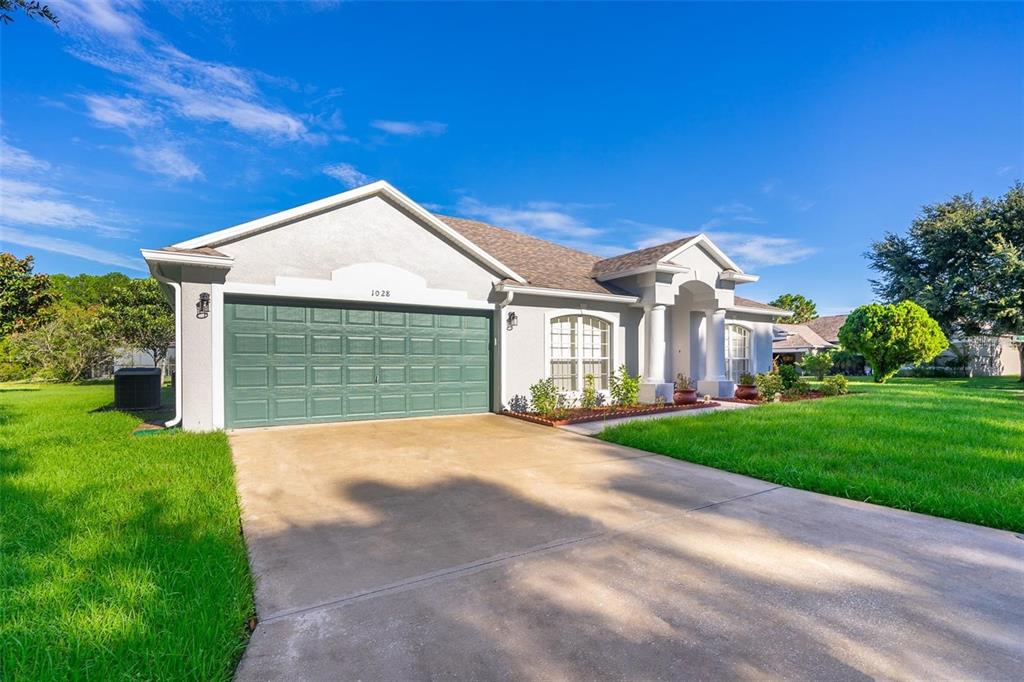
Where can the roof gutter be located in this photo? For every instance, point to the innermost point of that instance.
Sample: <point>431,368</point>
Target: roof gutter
<point>567,293</point>
<point>759,311</point>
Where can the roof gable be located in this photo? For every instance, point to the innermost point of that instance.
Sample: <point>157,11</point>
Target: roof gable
<point>653,256</point>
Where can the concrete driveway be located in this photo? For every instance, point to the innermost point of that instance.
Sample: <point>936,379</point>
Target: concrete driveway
<point>488,548</point>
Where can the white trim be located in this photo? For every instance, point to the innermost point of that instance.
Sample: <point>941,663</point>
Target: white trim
<point>739,277</point>
<point>567,293</point>
<point>503,350</point>
<point>322,205</point>
<point>715,251</point>
<point>758,311</point>
<point>654,267</point>
<point>160,256</point>
<point>217,353</point>
<point>320,294</point>
<point>613,319</point>
<point>176,287</point>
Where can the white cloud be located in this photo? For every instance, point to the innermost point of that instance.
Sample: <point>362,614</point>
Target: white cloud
<point>70,248</point>
<point>121,112</point>
<point>112,18</point>
<point>734,208</point>
<point>25,202</point>
<point>15,159</point>
<point>1004,170</point>
<point>543,218</point>
<point>410,128</point>
<point>755,250</point>
<point>166,160</point>
<point>347,174</point>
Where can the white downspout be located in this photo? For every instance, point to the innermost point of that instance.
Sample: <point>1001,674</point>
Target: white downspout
<point>174,421</point>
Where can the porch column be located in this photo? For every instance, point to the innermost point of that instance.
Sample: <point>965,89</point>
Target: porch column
<point>715,383</point>
<point>653,384</point>
<point>655,344</point>
<point>714,356</point>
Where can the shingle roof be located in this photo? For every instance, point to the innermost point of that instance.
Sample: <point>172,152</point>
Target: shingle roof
<point>638,258</point>
<point>540,262</point>
<point>799,336</point>
<point>828,327</point>
<point>750,303</point>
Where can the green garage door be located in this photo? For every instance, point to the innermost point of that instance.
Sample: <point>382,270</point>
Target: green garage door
<point>296,363</point>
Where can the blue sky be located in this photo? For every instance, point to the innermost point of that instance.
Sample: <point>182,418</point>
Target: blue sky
<point>793,134</point>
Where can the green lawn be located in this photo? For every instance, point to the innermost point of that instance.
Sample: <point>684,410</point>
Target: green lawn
<point>947,447</point>
<point>120,556</point>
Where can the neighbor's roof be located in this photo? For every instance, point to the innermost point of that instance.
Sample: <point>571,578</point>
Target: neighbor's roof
<point>799,336</point>
<point>638,258</point>
<point>828,327</point>
<point>748,303</point>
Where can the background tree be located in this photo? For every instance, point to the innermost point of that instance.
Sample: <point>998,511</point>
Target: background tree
<point>88,290</point>
<point>141,317</point>
<point>818,364</point>
<point>68,347</point>
<point>32,8</point>
<point>890,336</point>
<point>24,296</point>
<point>803,308</point>
<point>961,261</point>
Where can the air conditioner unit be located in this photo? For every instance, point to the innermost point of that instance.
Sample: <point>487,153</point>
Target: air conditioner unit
<point>137,388</point>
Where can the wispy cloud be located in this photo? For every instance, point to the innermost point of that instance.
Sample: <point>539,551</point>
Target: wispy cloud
<point>410,128</point>
<point>166,160</point>
<point>120,112</point>
<point>1004,170</point>
<point>70,248</point>
<point>14,159</point>
<point>756,250</point>
<point>734,208</point>
<point>346,174</point>
<point>117,19</point>
<point>538,217</point>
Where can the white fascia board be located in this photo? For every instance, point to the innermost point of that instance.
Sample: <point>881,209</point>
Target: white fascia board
<point>158,256</point>
<point>739,277</point>
<point>567,293</point>
<point>715,251</point>
<point>655,267</point>
<point>757,311</point>
<point>374,188</point>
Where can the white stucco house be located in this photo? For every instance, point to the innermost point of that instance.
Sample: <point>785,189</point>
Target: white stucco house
<point>365,305</point>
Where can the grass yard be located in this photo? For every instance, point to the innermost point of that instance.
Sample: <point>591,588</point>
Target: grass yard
<point>120,556</point>
<point>946,447</point>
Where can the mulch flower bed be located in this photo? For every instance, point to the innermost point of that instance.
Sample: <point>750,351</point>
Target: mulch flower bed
<point>811,395</point>
<point>579,415</point>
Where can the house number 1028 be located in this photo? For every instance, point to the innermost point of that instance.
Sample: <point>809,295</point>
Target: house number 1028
<point>381,293</point>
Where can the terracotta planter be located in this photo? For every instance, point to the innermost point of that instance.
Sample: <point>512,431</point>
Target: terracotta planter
<point>747,392</point>
<point>687,396</point>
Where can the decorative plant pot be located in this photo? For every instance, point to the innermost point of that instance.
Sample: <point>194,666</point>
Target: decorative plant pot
<point>687,396</point>
<point>747,392</point>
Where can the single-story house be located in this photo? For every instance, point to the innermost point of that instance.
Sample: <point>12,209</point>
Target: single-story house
<point>794,341</point>
<point>365,305</point>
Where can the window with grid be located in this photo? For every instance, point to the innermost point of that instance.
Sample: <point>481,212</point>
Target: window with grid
<point>737,351</point>
<point>580,345</point>
<point>564,358</point>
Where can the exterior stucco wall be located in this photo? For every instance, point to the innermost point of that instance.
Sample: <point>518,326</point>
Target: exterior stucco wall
<point>763,330</point>
<point>525,353</point>
<point>199,352</point>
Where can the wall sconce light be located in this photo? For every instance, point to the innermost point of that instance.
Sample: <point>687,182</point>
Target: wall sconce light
<point>203,306</point>
<point>511,320</point>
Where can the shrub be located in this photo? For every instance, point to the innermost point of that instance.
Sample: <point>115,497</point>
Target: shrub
<point>789,376</point>
<point>683,382</point>
<point>768,385</point>
<point>544,396</point>
<point>890,336</point>
<point>818,364</point>
<point>835,385</point>
<point>800,387</point>
<point>747,379</point>
<point>588,400</point>
<point>624,388</point>
<point>519,403</point>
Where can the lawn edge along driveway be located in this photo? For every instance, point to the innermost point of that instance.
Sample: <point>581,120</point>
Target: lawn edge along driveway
<point>947,447</point>
<point>120,556</point>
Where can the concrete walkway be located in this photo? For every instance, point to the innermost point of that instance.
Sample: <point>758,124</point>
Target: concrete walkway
<point>488,548</point>
<point>592,428</point>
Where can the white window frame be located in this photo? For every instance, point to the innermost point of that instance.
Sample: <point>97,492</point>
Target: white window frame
<point>614,346</point>
<point>731,372</point>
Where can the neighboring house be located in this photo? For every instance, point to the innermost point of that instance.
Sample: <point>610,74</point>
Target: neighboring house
<point>365,305</point>
<point>986,355</point>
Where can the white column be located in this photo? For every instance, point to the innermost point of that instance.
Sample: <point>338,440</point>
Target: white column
<point>655,344</point>
<point>714,353</point>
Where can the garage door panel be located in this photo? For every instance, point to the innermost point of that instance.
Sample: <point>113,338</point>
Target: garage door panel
<point>299,362</point>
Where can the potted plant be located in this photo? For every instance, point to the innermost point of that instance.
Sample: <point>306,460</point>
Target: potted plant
<point>685,393</point>
<point>746,389</point>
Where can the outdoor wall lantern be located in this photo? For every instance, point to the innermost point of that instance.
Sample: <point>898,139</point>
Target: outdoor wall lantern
<point>511,320</point>
<point>203,306</point>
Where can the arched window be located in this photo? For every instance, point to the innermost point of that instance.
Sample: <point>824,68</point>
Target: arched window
<point>737,351</point>
<point>580,345</point>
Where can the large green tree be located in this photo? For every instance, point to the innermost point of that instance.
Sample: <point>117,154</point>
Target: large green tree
<point>803,308</point>
<point>890,336</point>
<point>963,261</point>
<point>24,295</point>
<point>88,290</point>
<point>141,317</point>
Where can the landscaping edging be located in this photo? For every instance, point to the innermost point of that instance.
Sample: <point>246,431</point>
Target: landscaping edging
<point>610,414</point>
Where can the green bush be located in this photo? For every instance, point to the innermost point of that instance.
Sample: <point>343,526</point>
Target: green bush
<point>800,387</point>
<point>818,364</point>
<point>768,385</point>
<point>835,385</point>
<point>789,376</point>
<point>747,379</point>
<point>890,336</point>
<point>624,388</point>
<point>544,396</point>
<point>588,400</point>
